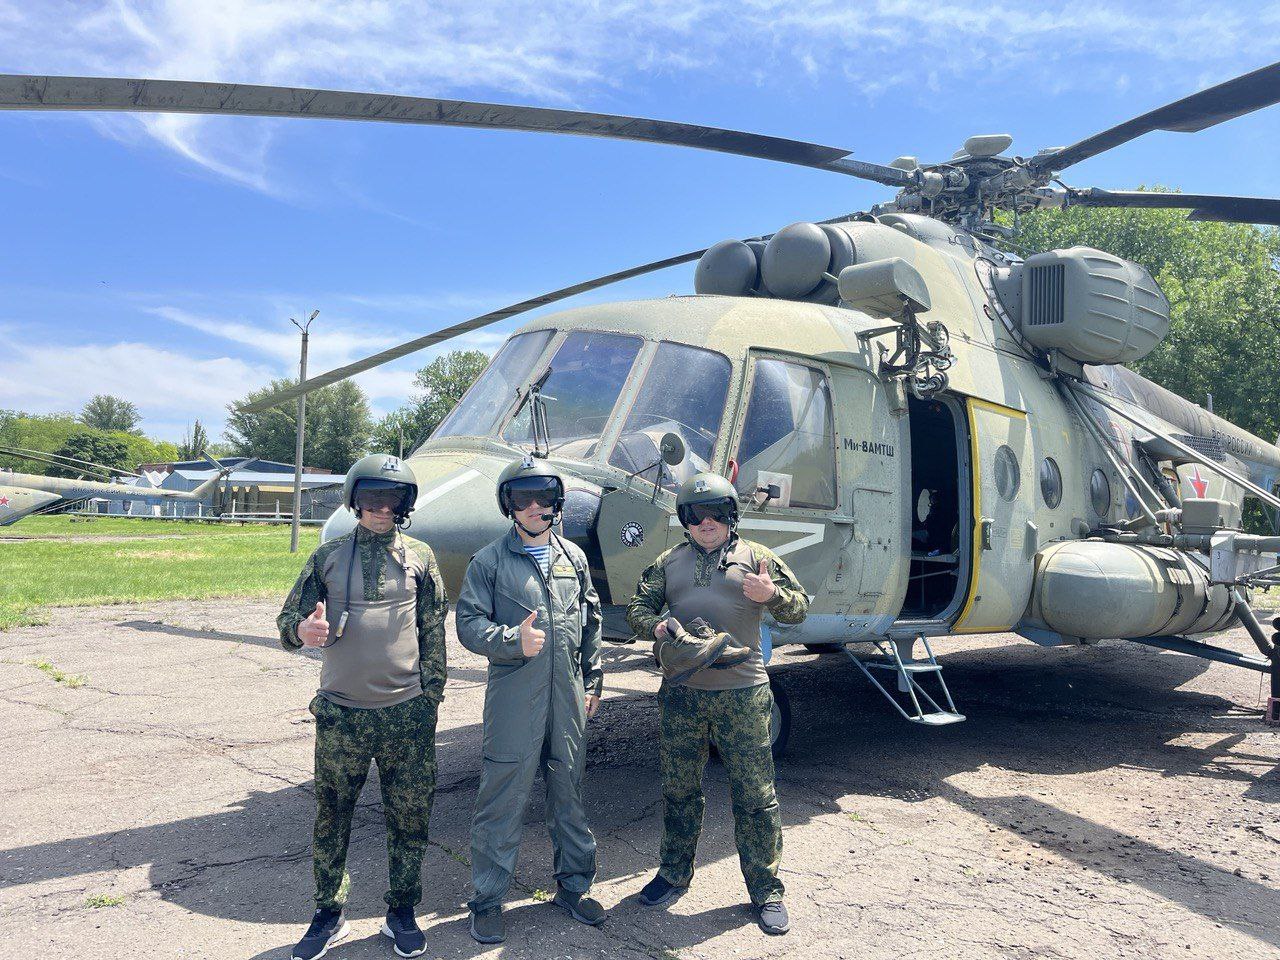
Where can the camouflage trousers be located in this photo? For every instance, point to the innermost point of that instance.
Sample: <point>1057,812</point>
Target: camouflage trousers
<point>401,740</point>
<point>737,722</point>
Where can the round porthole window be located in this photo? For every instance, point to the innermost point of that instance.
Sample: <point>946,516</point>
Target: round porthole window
<point>1050,482</point>
<point>1100,493</point>
<point>1007,481</point>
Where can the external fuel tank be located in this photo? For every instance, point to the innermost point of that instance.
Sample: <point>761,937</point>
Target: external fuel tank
<point>1097,590</point>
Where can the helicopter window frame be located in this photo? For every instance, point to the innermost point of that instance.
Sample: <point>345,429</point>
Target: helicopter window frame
<point>755,359</point>
<point>673,477</point>
<point>1051,483</point>
<point>498,419</point>
<point>601,439</point>
<point>1099,483</point>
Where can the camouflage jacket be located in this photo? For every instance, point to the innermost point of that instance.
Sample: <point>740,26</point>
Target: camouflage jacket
<point>433,601</point>
<point>789,605</point>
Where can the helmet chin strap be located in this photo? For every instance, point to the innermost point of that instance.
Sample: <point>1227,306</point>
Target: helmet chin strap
<point>551,520</point>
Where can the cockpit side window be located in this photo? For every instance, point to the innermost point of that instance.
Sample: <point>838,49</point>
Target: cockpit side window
<point>482,409</point>
<point>586,377</point>
<point>788,438</point>
<point>683,393</point>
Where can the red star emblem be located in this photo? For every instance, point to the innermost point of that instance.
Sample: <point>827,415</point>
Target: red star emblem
<point>1199,484</point>
<point>4,501</point>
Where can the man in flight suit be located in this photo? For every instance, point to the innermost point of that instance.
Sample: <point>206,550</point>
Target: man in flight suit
<point>376,605</point>
<point>527,604</point>
<point>728,583</point>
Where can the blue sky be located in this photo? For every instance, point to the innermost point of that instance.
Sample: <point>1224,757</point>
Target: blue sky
<point>159,258</point>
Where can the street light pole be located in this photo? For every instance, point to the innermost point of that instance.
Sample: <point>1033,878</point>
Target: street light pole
<point>302,424</point>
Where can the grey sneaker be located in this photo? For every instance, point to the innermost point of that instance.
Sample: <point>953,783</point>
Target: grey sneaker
<point>773,917</point>
<point>402,927</point>
<point>658,893</point>
<point>327,928</point>
<point>487,926</point>
<point>581,906</point>
<point>685,651</point>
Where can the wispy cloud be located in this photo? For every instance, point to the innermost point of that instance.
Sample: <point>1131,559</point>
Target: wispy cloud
<point>568,52</point>
<point>168,386</point>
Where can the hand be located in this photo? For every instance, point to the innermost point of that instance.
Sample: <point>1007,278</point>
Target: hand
<point>314,631</point>
<point>759,586</point>
<point>593,704</point>
<point>660,631</point>
<point>531,638</point>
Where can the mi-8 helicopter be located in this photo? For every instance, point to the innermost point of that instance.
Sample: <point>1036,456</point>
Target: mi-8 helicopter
<point>25,494</point>
<point>937,435</point>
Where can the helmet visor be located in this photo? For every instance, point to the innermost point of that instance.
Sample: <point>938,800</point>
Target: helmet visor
<point>720,510</point>
<point>376,495</point>
<point>524,492</point>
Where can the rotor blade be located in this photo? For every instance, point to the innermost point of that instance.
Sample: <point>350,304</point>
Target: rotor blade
<point>1203,206</point>
<point>53,458</point>
<point>19,92</point>
<point>466,326</point>
<point>1226,101</point>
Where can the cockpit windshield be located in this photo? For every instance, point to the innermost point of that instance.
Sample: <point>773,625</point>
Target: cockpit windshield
<point>486,403</point>
<point>683,393</point>
<point>586,376</point>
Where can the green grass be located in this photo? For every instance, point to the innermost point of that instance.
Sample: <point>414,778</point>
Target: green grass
<point>199,562</point>
<point>72,680</point>
<point>63,525</point>
<point>99,900</point>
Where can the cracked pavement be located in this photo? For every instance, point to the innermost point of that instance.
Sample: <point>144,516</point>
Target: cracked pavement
<point>1103,801</point>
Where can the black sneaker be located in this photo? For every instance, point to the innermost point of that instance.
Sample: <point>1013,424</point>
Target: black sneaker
<point>327,928</point>
<point>658,893</point>
<point>402,927</point>
<point>487,926</point>
<point>773,917</point>
<point>581,906</point>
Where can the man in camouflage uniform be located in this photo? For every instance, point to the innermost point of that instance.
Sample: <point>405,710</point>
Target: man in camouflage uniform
<point>376,605</point>
<point>728,583</point>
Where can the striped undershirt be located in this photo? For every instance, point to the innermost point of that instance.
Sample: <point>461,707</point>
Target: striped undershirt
<point>541,556</point>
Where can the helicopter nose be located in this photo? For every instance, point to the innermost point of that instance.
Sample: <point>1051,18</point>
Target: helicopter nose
<point>456,515</point>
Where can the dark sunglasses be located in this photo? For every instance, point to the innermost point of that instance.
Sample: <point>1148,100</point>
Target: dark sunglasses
<point>714,511</point>
<point>524,499</point>
<point>377,499</point>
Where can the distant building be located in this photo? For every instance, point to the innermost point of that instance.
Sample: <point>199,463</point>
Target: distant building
<point>259,466</point>
<point>252,492</point>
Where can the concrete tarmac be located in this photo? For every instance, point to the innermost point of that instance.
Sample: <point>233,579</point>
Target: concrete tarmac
<point>1108,801</point>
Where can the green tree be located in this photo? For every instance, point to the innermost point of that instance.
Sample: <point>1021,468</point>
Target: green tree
<point>41,432</point>
<point>439,386</point>
<point>105,412</point>
<point>337,428</point>
<point>195,442</point>
<point>93,446</point>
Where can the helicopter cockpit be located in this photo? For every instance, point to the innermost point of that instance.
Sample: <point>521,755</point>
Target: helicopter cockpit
<point>682,390</point>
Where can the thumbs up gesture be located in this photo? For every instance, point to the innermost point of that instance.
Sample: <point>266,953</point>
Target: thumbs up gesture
<point>531,638</point>
<point>314,631</point>
<point>759,586</point>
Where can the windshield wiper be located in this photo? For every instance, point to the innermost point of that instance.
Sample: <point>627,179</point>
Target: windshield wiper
<point>538,415</point>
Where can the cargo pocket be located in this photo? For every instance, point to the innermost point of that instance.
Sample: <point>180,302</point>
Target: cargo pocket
<point>507,717</point>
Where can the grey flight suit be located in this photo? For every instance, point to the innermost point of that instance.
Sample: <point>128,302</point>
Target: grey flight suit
<point>534,710</point>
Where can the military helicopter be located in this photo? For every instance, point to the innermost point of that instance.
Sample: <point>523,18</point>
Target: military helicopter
<point>24,494</point>
<point>936,434</point>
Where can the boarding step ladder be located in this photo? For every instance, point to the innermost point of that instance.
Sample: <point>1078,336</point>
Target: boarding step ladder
<point>896,655</point>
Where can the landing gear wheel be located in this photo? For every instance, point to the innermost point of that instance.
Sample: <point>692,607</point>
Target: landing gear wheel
<point>779,719</point>
<point>824,647</point>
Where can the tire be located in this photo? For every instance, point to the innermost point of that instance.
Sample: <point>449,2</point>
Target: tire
<point>824,647</point>
<point>780,719</point>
